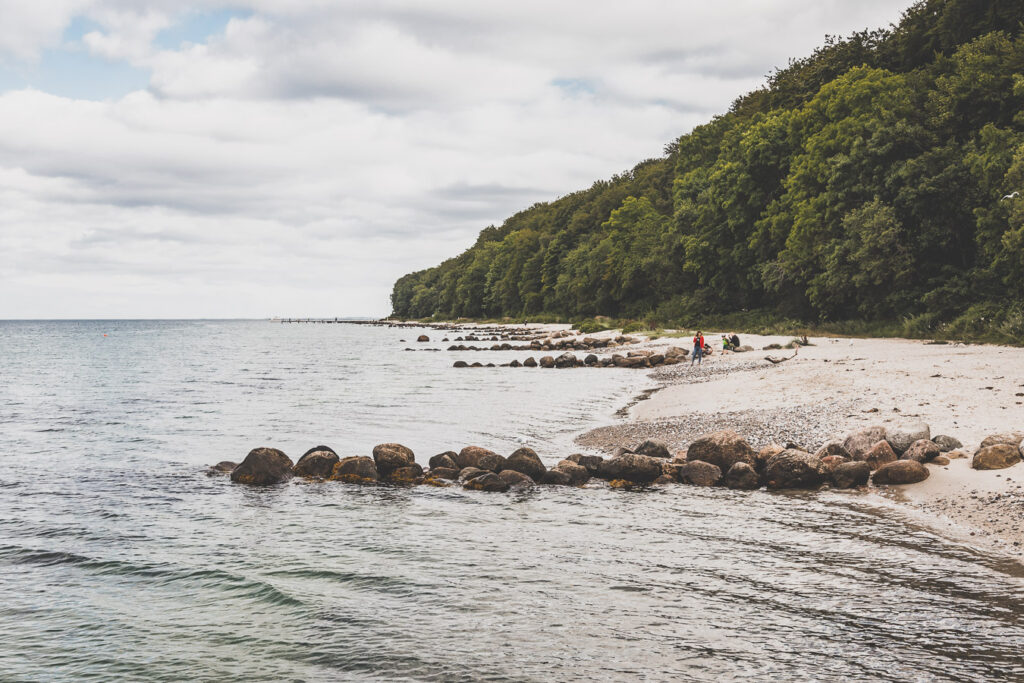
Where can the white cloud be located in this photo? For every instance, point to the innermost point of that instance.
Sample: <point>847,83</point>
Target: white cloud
<point>301,159</point>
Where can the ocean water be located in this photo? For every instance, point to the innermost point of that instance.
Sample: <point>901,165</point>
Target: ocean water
<point>121,560</point>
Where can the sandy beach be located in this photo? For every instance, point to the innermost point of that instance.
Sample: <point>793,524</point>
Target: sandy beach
<point>837,385</point>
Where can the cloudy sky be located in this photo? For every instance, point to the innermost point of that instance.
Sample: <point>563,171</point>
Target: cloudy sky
<point>293,157</point>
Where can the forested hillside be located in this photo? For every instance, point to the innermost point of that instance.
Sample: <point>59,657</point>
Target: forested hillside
<point>864,182</point>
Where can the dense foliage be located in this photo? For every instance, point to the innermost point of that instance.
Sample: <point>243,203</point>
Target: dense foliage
<point>863,182</point>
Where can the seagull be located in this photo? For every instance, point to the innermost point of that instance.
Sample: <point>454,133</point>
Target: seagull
<point>1012,195</point>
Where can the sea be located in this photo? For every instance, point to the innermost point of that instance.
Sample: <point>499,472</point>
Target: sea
<point>121,559</point>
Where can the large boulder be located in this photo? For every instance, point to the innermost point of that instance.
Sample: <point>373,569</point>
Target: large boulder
<point>653,448</point>
<point>921,450</point>
<point>566,360</point>
<point>901,437</point>
<point>488,481</point>
<point>700,473</point>
<point>514,478</point>
<point>880,454</point>
<point>547,362</point>
<point>994,457</point>
<point>1012,438</point>
<point>578,474</point>
<point>795,469</point>
<point>762,457</point>
<point>858,443</point>
<point>724,449</point>
<point>391,456</point>
<point>899,472</point>
<point>555,477</point>
<point>358,469</point>
<point>530,362</point>
<point>467,473</point>
<point>742,476</point>
<point>527,461</point>
<point>449,473</point>
<point>263,467</point>
<point>848,475</point>
<point>407,475</point>
<point>423,338</point>
<point>947,443</point>
<point>633,467</point>
<point>591,462</point>
<point>474,456</point>
<point>446,459</point>
<point>316,462</point>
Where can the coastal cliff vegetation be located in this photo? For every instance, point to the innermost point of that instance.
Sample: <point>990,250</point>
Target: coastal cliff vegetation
<point>863,185</point>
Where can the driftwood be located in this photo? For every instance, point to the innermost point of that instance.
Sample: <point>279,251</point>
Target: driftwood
<point>775,361</point>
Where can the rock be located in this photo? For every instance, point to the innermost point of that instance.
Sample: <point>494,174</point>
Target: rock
<point>940,460</point>
<point>467,473</point>
<point>263,467</point>
<point>423,338</point>
<point>409,474</point>
<point>947,443</point>
<point>742,476</point>
<point>316,462</point>
<point>555,478</point>
<point>700,473</point>
<point>446,459</point>
<point>474,456</point>
<point>527,461</point>
<point>357,469</point>
<point>743,349</point>
<point>514,364</point>
<point>676,352</point>
<point>834,447</point>
<point>921,450</point>
<point>460,364</point>
<point>653,448</point>
<point>765,454</point>
<point>879,454</point>
<point>591,359</point>
<point>793,469</point>
<point>443,473</point>
<point>899,472</point>
<point>1012,438</point>
<point>995,457</point>
<point>724,449</point>
<point>858,443</point>
<point>591,462</point>
<point>514,478</point>
<point>848,475</point>
<point>901,437</point>
<point>223,467</point>
<point>566,360</point>
<point>530,362</point>
<point>547,362</point>
<point>633,467</point>
<point>833,461</point>
<point>665,479</point>
<point>391,456</point>
<point>956,455</point>
<point>578,474</point>
<point>488,481</point>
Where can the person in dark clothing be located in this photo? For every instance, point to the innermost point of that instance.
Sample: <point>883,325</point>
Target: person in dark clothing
<point>735,341</point>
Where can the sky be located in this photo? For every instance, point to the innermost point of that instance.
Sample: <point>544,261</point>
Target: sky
<point>259,158</point>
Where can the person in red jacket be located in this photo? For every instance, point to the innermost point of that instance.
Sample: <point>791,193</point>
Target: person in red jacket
<point>698,349</point>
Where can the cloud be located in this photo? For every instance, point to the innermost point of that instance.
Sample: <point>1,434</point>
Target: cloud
<point>299,156</point>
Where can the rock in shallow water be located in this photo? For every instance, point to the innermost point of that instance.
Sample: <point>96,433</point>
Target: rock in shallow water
<point>391,456</point>
<point>263,467</point>
<point>514,478</point>
<point>900,472</point>
<point>357,469</point>
<point>488,481</point>
<point>640,469</point>
<point>700,473</point>
<point>316,462</point>
<point>795,469</point>
<point>474,456</point>
<point>848,475</point>
<point>723,449</point>
<point>527,461</point>
<point>742,476</point>
<point>578,474</point>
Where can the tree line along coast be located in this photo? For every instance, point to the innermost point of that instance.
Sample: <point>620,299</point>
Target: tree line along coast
<point>871,183</point>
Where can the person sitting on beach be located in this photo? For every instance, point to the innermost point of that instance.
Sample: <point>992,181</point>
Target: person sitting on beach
<point>734,340</point>
<point>698,349</point>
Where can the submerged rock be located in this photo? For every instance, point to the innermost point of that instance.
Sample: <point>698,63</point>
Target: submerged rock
<point>578,474</point>
<point>899,472</point>
<point>742,476</point>
<point>357,469</point>
<point>996,457</point>
<point>794,469</point>
<point>700,473</point>
<point>527,461</point>
<point>223,467</point>
<point>724,449</point>
<point>848,475</point>
<point>316,462</point>
<point>263,467</point>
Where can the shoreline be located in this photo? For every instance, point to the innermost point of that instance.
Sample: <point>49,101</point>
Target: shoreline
<point>834,387</point>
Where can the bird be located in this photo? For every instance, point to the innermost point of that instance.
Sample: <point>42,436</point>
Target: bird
<point>1012,195</point>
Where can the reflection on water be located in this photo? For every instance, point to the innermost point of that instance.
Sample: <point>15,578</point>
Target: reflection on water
<point>119,559</point>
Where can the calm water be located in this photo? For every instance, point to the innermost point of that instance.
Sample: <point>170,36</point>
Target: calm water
<point>121,560</point>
